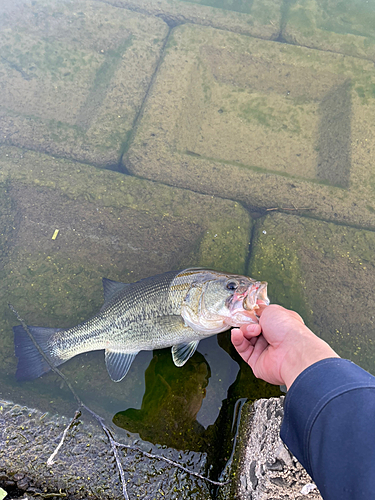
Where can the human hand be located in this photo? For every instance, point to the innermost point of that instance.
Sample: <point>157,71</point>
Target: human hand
<point>280,347</point>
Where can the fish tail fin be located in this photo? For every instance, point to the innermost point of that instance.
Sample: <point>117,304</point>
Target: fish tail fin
<point>31,363</point>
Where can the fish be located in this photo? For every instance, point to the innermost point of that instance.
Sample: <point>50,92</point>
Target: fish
<point>176,309</point>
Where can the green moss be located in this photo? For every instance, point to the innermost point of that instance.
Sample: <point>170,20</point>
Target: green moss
<point>108,67</point>
<point>347,17</point>
<point>364,85</point>
<point>61,288</point>
<point>264,170</point>
<point>301,18</point>
<point>47,57</point>
<point>225,246</point>
<point>275,259</point>
<point>360,91</point>
<point>268,116</point>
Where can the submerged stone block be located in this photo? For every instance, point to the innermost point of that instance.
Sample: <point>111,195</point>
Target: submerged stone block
<point>326,273</point>
<point>84,467</point>
<point>344,27</point>
<point>269,124</point>
<point>109,225</point>
<point>73,77</point>
<point>259,18</point>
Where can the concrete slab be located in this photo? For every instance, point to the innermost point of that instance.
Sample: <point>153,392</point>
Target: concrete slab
<point>269,124</point>
<point>326,272</point>
<point>109,225</point>
<point>259,18</point>
<point>262,468</point>
<point>73,77</point>
<point>344,27</point>
<point>84,466</point>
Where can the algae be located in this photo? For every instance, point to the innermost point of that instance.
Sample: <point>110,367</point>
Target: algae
<point>323,271</point>
<point>215,242</point>
<point>275,259</point>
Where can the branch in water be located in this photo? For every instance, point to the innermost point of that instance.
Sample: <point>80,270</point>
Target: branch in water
<point>160,457</point>
<point>50,461</point>
<point>294,209</point>
<point>114,444</point>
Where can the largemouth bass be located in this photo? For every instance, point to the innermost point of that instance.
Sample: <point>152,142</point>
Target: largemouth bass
<point>176,309</point>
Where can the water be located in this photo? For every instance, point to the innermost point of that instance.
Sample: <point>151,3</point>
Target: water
<point>240,140</point>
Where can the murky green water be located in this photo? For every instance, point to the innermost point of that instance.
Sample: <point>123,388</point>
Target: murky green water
<point>225,134</point>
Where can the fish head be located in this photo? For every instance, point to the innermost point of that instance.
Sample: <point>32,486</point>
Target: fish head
<point>235,298</point>
<point>245,302</point>
<point>223,300</point>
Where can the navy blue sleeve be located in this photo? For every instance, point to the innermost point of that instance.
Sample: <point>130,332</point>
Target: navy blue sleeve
<point>329,425</point>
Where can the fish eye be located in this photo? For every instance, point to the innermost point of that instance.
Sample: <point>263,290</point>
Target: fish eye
<point>232,285</point>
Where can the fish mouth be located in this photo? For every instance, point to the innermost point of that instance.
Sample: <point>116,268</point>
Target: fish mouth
<point>243,306</point>
<point>256,296</point>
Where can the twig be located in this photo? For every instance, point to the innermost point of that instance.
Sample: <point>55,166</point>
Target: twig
<point>176,464</point>
<point>114,444</point>
<point>80,402</point>
<point>51,495</point>
<point>118,460</point>
<point>50,461</point>
<point>294,209</point>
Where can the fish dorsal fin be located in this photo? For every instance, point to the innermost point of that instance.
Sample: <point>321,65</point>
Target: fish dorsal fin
<point>182,352</point>
<point>111,287</point>
<point>118,363</point>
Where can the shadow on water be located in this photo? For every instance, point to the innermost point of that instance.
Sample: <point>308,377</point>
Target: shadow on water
<point>173,397</point>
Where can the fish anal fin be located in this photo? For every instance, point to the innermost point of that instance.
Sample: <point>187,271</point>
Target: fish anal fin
<point>111,288</point>
<point>182,352</point>
<point>118,363</point>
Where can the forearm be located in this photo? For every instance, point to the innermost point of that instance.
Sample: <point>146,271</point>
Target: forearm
<point>328,425</point>
<point>308,349</point>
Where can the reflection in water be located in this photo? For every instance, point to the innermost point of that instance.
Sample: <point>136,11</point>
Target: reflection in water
<point>174,396</point>
<point>172,400</point>
<point>245,387</point>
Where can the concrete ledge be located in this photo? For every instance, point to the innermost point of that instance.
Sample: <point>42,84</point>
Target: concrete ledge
<point>84,466</point>
<point>262,467</point>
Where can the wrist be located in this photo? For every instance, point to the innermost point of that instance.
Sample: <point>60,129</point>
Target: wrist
<point>308,350</point>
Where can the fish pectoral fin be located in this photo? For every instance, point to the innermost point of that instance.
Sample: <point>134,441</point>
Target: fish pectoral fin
<point>118,363</point>
<point>182,352</point>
